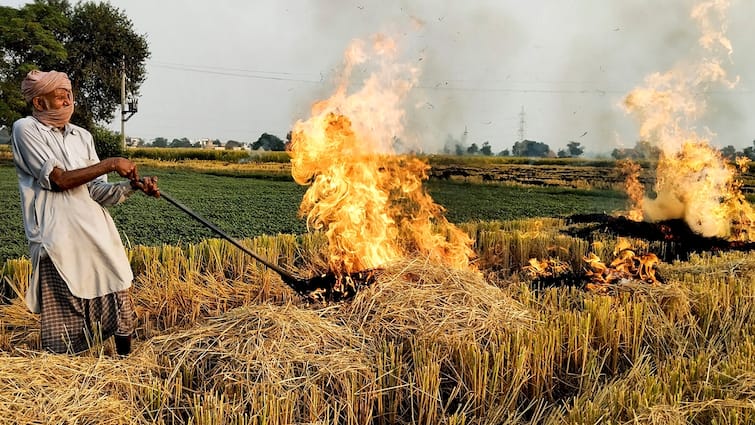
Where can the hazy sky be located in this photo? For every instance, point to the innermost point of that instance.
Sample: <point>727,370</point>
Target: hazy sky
<point>233,69</point>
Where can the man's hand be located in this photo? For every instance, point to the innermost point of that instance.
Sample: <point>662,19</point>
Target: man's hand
<point>148,185</point>
<point>123,167</point>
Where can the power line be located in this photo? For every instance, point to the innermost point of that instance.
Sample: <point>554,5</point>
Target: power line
<point>235,73</point>
<point>441,86</point>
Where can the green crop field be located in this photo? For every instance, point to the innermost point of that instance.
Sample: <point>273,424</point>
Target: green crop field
<point>249,207</point>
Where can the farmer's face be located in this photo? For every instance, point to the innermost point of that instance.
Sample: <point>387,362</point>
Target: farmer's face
<point>56,99</point>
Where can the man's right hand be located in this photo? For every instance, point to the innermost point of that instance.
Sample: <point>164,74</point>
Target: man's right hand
<point>124,168</point>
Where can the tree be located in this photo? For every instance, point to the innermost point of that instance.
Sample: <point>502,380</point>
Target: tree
<point>89,42</point>
<point>729,152</point>
<point>574,149</point>
<point>531,148</point>
<point>269,142</point>
<point>473,149</point>
<point>486,149</point>
<point>504,152</point>
<point>30,38</point>
<point>643,150</point>
<point>459,149</point>
<point>750,151</point>
<point>233,144</point>
<point>103,41</point>
<point>107,143</point>
<point>180,143</point>
<point>160,142</point>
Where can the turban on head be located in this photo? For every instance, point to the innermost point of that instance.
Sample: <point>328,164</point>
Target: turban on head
<point>38,83</point>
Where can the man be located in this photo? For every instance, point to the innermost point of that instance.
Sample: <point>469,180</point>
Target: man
<point>81,274</point>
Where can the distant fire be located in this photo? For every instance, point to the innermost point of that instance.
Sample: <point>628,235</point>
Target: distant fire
<point>693,181</point>
<point>552,267</point>
<point>634,189</point>
<point>369,201</point>
<point>625,266</point>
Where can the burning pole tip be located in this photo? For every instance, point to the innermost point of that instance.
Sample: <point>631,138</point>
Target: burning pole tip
<point>334,287</point>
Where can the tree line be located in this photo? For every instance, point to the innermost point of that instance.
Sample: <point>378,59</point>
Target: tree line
<point>266,141</point>
<point>643,150</point>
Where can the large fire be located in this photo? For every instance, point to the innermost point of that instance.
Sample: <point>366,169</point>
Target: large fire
<point>693,181</point>
<point>370,201</point>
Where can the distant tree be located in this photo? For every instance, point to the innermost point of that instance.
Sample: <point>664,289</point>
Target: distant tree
<point>233,144</point>
<point>486,149</point>
<point>160,142</point>
<point>575,149</point>
<point>646,150</point>
<point>180,143</point>
<point>473,149</point>
<point>620,153</point>
<point>87,41</point>
<point>459,149</point>
<point>562,154</point>
<point>729,152</point>
<point>750,151</point>
<point>504,152</point>
<point>643,150</point>
<point>287,145</point>
<point>531,148</point>
<point>269,142</point>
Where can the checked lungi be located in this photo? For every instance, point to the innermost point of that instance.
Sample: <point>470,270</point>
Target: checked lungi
<point>69,324</point>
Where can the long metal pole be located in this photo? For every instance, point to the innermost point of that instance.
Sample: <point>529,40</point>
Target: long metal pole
<point>123,104</point>
<point>287,277</point>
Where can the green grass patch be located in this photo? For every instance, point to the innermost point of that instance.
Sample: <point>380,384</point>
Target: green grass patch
<point>249,207</point>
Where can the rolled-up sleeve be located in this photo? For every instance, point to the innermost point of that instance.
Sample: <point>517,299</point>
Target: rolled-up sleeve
<point>107,194</point>
<point>32,155</point>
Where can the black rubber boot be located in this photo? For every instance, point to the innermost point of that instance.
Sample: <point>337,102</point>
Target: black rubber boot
<point>122,344</point>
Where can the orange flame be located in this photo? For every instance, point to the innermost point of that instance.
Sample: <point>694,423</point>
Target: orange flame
<point>627,265</point>
<point>546,268</point>
<point>369,201</point>
<point>633,187</point>
<point>693,181</point>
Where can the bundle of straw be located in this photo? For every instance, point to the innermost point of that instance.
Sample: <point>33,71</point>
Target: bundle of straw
<point>420,299</point>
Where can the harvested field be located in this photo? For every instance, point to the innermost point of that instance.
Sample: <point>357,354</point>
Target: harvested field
<point>581,177</point>
<point>221,340</point>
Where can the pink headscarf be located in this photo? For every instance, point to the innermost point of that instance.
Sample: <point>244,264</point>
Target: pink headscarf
<point>38,83</point>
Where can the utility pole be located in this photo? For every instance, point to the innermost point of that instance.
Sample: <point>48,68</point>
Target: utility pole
<point>521,125</point>
<point>132,105</point>
<point>123,104</point>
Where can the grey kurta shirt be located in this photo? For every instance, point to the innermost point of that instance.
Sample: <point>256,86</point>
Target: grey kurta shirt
<point>71,226</point>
